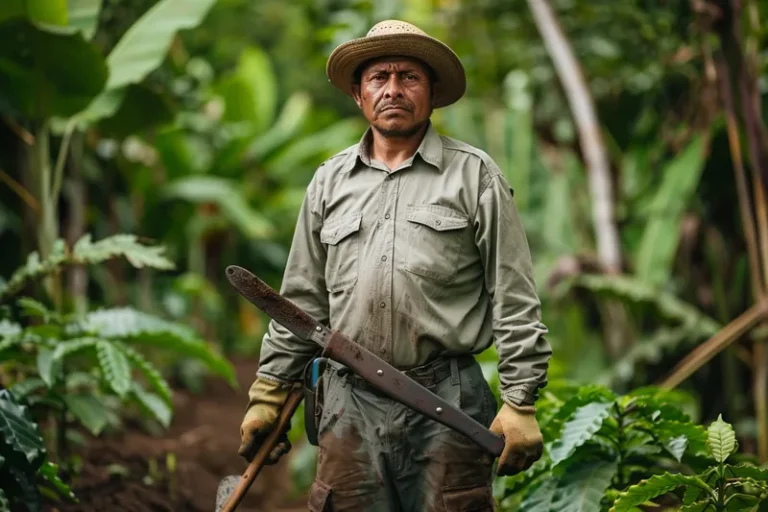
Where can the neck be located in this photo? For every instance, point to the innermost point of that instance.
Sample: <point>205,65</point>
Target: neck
<point>394,150</point>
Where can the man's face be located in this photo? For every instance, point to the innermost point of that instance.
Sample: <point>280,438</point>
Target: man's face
<point>395,95</point>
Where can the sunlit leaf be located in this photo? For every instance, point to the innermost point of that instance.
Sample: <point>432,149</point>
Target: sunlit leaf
<point>18,432</point>
<point>84,16</point>
<point>721,439</point>
<point>88,410</point>
<point>584,423</point>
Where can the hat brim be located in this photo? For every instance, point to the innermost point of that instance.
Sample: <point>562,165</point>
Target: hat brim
<point>451,80</point>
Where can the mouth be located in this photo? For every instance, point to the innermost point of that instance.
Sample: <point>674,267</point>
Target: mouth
<point>394,107</point>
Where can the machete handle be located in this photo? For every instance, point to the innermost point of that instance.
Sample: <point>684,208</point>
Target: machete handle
<point>254,468</point>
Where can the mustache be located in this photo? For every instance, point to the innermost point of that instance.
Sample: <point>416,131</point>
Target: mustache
<point>404,105</point>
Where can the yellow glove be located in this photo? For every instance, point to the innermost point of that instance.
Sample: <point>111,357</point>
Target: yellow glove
<point>523,442</point>
<point>266,399</point>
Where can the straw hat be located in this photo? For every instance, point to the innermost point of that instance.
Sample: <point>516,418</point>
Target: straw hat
<point>398,38</point>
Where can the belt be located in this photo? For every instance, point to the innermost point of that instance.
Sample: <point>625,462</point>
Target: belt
<point>427,374</point>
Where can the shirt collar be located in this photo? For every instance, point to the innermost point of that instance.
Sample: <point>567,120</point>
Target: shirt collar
<point>430,150</point>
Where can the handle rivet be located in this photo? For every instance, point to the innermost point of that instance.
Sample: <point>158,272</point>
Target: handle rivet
<point>439,410</point>
<point>379,372</point>
<point>318,328</point>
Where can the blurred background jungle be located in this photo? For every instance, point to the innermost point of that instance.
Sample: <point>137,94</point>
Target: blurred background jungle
<point>147,144</point>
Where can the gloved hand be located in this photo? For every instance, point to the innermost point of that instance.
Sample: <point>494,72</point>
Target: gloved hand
<point>523,442</point>
<point>266,399</point>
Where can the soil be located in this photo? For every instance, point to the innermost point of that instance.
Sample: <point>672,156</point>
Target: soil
<point>128,471</point>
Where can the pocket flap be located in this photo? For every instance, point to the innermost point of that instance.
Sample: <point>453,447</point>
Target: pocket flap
<point>436,217</point>
<point>318,497</point>
<point>465,498</point>
<point>335,230</point>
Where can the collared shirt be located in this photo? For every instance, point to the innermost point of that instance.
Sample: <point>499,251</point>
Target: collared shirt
<point>425,260</point>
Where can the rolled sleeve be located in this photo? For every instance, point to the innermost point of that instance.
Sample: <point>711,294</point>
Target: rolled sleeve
<point>283,354</point>
<point>519,334</point>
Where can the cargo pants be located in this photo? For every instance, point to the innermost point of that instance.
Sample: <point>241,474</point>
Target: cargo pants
<point>377,455</point>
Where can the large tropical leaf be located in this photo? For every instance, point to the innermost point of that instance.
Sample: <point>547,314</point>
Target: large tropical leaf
<point>579,429</point>
<point>142,49</point>
<point>126,245</point>
<point>227,196</point>
<point>130,325</point>
<point>145,44</point>
<point>84,16</point>
<point>114,364</point>
<point>18,432</point>
<point>250,93</point>
<point>653,487</point>
<point>583,486</point>
<point>654,259</point>
<point>45,74</point>
<point>721,439</point>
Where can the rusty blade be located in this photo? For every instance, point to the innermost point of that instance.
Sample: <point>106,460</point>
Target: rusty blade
<point>283,311</point>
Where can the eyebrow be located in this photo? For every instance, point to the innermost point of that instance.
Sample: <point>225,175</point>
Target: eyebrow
<point>386,70</point>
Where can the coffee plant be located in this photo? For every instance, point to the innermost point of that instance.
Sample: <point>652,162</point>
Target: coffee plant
<point>86,369</point>
<point>606,450</point>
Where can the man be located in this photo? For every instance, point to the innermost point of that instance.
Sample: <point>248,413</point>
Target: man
<point>410,244</point>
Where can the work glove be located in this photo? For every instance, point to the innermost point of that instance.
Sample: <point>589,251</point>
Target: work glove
<point>523,442</point>
<point>266,399</point>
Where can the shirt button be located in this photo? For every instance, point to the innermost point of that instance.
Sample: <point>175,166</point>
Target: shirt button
<point>383,350</point>
<point>383,258</point>
<point>382,304</point>
<point>386,216</point>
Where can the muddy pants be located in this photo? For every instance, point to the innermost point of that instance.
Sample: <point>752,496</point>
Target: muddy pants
<point>375,454</point>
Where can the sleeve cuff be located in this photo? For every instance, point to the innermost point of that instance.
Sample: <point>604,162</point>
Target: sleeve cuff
<point>520,395</point>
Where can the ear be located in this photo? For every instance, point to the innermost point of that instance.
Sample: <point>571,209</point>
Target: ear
<point>356,95</point>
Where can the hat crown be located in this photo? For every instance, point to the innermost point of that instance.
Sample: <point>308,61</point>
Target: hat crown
<point>388,27</point>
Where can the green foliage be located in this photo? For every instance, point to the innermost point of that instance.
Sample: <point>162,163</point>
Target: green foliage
<point>598,442</point>
<point>85,252</point>
<point>85,366</point>
<point>604,450</point>
<point>52,74</point>
<point>24,470</point>
<point>722,486</point>
<point>658,246</point>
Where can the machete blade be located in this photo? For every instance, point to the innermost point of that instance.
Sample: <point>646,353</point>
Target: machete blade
<point>276,306</point>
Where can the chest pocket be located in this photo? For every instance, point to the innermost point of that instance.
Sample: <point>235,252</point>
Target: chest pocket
<point>435,236</point>
<point>342,236</point>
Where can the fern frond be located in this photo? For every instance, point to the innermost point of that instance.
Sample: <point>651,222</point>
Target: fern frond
<point>87,252</point>
<point>153,376</point>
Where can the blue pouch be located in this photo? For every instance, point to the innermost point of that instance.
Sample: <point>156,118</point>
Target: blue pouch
<point>313,400</point>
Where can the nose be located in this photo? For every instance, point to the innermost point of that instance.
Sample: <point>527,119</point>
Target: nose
<point>394,87</point>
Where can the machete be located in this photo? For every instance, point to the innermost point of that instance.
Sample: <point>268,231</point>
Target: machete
<point>364,363</point>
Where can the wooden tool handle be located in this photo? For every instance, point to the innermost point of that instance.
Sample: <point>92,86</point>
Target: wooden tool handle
<point>253,469</point>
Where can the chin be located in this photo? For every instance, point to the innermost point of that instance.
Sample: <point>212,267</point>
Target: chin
<point>397,129</point>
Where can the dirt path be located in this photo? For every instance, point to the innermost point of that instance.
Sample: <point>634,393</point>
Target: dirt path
<point>204,438</point>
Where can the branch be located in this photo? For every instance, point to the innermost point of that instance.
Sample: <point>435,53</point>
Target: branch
<point>583,114</point>
<point>710,348</point>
